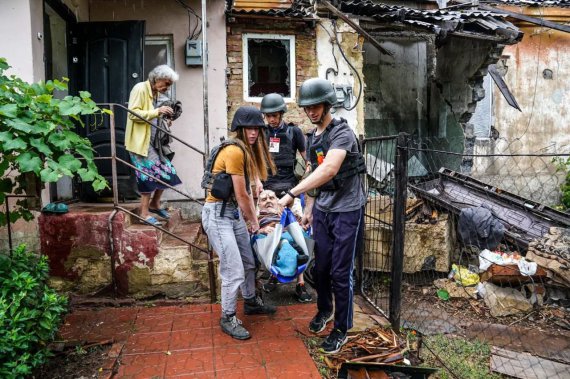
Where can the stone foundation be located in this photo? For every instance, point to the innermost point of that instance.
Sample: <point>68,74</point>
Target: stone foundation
<point>426,246</point>
<point>146,264</point>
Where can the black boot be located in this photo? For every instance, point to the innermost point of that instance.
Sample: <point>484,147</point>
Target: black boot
<point>255,306</point>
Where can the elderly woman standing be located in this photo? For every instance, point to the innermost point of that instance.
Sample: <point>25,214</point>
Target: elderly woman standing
<point>139,135</point>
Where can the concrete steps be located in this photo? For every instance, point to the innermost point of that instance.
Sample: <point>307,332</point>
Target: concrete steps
<point>147,261</point>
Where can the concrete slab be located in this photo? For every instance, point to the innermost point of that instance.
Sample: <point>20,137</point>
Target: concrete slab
<point>534,341</point>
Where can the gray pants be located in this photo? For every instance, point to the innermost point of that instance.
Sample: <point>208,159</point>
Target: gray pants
<point>230,240</point>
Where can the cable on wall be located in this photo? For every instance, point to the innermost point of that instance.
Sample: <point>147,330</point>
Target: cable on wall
<point>351,66</point>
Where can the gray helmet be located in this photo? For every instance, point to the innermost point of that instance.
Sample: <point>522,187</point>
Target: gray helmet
<point>316,91</point>
<point>247,116</point>
<point>273,102</point>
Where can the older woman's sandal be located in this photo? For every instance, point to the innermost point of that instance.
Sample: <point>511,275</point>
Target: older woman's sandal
<point>152,221</point>
<point>161,212</point>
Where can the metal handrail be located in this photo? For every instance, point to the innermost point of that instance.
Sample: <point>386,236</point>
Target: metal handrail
<point>117,207</point>
<point>153,177</point>
<point>112,105</point>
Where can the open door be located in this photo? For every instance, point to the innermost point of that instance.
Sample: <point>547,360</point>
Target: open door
<point>106,59</point>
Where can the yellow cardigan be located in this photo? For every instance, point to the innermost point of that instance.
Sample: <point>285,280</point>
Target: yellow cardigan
<point>137,133</point>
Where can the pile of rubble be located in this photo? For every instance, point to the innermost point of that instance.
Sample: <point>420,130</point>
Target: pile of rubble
<point>373,345</point>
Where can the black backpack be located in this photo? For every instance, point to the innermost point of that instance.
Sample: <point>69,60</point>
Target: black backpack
<point>220,184</point>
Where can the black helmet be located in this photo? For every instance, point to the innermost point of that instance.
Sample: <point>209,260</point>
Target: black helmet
<point>273,102</point>
<point>316,91</point>
<point>247,116</point>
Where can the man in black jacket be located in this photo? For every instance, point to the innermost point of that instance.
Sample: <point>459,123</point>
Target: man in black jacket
<point>284,141</point>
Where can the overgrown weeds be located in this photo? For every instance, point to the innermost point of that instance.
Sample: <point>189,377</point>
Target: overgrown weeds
<point>466,359</point>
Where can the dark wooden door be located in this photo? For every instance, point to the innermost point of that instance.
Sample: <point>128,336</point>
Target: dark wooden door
<point>107,60</point>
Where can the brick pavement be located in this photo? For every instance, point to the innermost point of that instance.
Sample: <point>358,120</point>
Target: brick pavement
<point>186,342</point>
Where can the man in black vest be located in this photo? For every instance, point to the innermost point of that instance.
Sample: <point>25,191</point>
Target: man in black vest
<point>284,141</point>
<point>337,216</point>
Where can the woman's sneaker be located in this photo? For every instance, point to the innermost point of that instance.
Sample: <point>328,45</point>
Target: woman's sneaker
<point>302,295</point>
<point>334,341</point>
<point>232,325</point>
<point>320,321</point>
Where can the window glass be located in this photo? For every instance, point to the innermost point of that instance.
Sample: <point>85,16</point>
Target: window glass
<point>158,50</point>
<point>268,66</point>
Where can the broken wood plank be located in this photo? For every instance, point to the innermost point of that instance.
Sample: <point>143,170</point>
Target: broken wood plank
<point>532,20</point>
<point>510,274</point>
<point>357,28</point>
<point>526,366</point>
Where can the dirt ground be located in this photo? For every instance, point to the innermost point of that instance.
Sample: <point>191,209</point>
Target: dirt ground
<point>77,362</point>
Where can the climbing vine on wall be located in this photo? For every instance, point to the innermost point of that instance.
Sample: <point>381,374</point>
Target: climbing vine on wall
<point>38,138</point>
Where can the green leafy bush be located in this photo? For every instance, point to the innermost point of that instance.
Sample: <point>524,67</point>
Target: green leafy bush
<point>563,164</point>
<point>37,137</point>
<point>30,312</point>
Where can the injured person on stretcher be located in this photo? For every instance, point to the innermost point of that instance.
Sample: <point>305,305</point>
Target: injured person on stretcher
<point>289,255</point>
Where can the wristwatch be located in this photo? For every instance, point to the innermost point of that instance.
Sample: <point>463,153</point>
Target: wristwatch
<point>291,194</point>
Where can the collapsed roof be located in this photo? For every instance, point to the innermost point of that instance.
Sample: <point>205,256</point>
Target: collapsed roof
<point>467,20</point>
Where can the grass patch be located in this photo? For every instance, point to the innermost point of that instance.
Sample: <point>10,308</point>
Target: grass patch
<point>467,359</point>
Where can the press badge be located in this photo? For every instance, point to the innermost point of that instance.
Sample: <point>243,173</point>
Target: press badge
<point>274,144</point>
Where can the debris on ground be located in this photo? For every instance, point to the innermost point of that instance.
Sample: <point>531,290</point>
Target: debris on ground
<point>463,275</point>
<point>503,301</point>
<point>553,253</point>
<point>373,345</point>
<point>454,290</point>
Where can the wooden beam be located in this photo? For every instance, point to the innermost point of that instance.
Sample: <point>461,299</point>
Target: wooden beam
<point>532,20</point>
<point>356,27</point>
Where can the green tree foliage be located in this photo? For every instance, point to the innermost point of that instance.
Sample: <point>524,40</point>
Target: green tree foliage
<point>37,135</point>
<point>30,313</point>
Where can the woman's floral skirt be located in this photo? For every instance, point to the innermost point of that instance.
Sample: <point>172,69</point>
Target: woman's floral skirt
<point>153,166</point>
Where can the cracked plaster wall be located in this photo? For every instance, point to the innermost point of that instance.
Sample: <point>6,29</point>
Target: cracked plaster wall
<point>428,89</point>
<point>329,57</point>
<point>542,126</point>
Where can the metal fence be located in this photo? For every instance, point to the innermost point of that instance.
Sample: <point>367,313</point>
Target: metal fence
<point>469,255</point>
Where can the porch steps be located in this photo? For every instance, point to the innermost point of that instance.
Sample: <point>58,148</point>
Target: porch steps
<point>148,262</point>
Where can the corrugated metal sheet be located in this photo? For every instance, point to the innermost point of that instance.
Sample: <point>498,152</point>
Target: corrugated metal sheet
<point>473,21</point>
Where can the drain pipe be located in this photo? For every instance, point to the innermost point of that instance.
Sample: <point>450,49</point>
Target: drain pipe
<point>205,81</point>
<point>211,271</point>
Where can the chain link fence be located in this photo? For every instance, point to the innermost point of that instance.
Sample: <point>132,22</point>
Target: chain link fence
<point>469,254</point>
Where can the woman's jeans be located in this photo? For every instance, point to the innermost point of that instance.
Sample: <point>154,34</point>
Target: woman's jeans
<point>230,240</point>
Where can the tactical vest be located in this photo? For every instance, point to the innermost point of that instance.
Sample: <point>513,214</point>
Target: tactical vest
<point>353,164</point>
<point>220,184</point>
<point>286,158</point>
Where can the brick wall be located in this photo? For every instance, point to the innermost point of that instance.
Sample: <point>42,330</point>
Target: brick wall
<point>306,63</point>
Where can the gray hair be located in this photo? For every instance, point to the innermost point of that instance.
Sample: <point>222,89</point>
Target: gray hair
<point>162,72</point>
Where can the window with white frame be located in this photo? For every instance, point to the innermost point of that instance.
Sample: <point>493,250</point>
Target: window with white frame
<point>159,50</point>
<point>268,66</point>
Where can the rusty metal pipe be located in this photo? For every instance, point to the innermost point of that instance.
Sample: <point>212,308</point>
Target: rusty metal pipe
<point>162,230</point>
<point>115,182</point>
<point>112,252</point>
